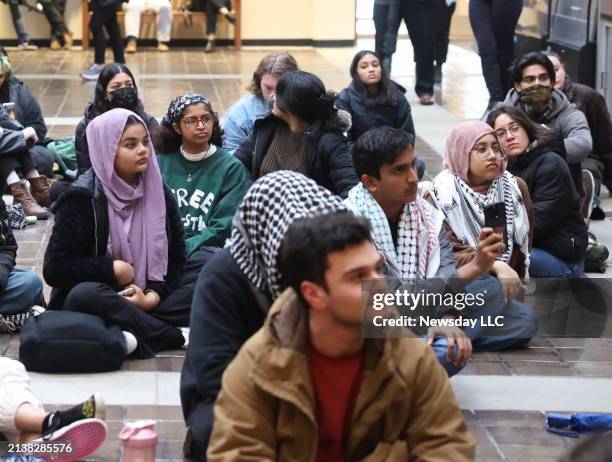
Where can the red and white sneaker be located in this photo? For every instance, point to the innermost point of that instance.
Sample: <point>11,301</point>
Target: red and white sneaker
<point>73,442</point>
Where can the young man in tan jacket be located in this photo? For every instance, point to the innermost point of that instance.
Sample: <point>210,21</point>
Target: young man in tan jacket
<point>307,386</point>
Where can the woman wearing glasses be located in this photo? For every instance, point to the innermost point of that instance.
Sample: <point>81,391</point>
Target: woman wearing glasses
<point>207,181</point>
<point>559,231</point>
<point>476,176</point>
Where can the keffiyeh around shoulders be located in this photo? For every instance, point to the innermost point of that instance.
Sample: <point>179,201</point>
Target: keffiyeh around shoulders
<point>418,249</point>
<point>463,209</point>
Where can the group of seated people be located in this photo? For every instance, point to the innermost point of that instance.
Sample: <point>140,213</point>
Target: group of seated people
<point>256,232</point>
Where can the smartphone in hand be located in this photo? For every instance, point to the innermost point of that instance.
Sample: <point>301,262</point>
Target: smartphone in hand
<point>495,217</point>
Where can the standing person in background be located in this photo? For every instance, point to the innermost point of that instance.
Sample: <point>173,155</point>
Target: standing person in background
<point>493,23</point>
<point>212,8</point>
<point>104,16</point>
<point>163,13</point>
<point>239,119</point>
<point>593,106</point>
<point>419,17</point>
<point>20,30</point>
<point>443,16</point>
<point>61,37</point>
<point>385,16</point>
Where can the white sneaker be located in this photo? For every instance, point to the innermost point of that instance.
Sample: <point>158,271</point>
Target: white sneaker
<point>185,332</point>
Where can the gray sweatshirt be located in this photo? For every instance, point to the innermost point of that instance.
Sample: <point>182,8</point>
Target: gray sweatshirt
<point>566,120</point>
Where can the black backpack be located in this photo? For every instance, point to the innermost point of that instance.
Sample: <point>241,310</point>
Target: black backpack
<point>68,341</point>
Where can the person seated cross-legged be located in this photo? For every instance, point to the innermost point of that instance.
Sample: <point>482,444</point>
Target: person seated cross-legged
<point>307,386</point>
<point>410,233</point>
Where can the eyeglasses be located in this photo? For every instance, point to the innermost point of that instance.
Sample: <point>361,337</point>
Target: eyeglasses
<point>503,132</point>
<point>482,151</point>
<point>542,78</point>
<point>193,122</point>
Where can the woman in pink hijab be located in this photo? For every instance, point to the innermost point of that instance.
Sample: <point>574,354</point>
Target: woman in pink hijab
<point>117,249</point>
<point>475,177</point>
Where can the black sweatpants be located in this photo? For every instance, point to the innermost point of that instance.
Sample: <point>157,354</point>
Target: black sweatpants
<point>212,8</point>
<point>102,300</point>
<point>443,16</point>
<point>493,23</point>
<point>419,18</point>
<point>106,18</point>
<point>54,12</point>
<point>176,308</point>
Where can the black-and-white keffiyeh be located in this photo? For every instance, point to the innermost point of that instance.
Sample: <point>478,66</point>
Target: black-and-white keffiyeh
<point>464,209</point>
<point>418,248</point>
<point>274,202</point>
<point>4,115</point>
<point>178,105</point>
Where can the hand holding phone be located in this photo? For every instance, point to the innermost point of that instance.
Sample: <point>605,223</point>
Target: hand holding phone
<point>495,217</point>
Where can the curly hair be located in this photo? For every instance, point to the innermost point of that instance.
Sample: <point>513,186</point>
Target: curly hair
<point>166,140</point>
<point>276,64</point>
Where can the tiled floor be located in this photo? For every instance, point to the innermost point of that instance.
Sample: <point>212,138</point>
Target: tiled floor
<point>502,435</point>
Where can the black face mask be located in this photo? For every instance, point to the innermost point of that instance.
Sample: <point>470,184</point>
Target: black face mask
<point>126,98</point>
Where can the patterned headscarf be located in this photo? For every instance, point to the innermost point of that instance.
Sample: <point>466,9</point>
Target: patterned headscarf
<point>269,207</point>
<point>178,105</point>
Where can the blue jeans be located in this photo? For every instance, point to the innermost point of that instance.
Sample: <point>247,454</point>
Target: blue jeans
<point>519,323</point>
<point>544,265</point>
<point>23,290</point>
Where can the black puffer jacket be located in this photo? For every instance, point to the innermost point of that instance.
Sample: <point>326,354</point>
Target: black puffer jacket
<point>27,109</point>
<point>329,157</point>
<point>80,142</point>
<point>366,114</point>
<point>77,250</point>
<point>8,247</point>
<point>558,224</point>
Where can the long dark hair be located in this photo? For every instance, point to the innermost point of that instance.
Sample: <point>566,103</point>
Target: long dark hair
<point>534,131</point>
<point>388,90</point>
<point>304,95</point>
<point>100,103</point>
<point>166,140</point>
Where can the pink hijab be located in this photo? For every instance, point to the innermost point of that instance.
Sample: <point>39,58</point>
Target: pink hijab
<point>459,144</point>
<point>146,247</point>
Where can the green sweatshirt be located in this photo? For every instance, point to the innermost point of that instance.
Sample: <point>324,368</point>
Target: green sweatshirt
<point>208,202</point>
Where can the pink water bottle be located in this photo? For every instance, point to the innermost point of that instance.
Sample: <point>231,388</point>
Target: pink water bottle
<point>139,441</point>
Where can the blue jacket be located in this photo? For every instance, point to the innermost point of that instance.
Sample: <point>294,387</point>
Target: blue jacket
<point>239,119</point>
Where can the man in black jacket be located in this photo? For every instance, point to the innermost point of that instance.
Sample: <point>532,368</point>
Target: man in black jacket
<point>237,287</point>
<point>20,290</point>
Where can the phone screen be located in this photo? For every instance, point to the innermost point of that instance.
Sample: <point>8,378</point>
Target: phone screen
<point>495,217</point>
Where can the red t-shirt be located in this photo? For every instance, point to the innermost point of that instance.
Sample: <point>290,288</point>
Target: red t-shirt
<point>336,383</point>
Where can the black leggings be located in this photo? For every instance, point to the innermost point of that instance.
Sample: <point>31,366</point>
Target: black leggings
<point>54,12</point>
<point>102,300</point>
<point>176,308</point>
<point>443,16</point>
<point>211,7</point>
<point>106,17</point>
<point>493,23</point>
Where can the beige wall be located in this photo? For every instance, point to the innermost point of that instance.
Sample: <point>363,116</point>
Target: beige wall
<point>262,19</point>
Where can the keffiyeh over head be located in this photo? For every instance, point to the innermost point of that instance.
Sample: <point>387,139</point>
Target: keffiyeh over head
<point>268,208</point>
<point>418,248</point>
<point>178,105</point>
